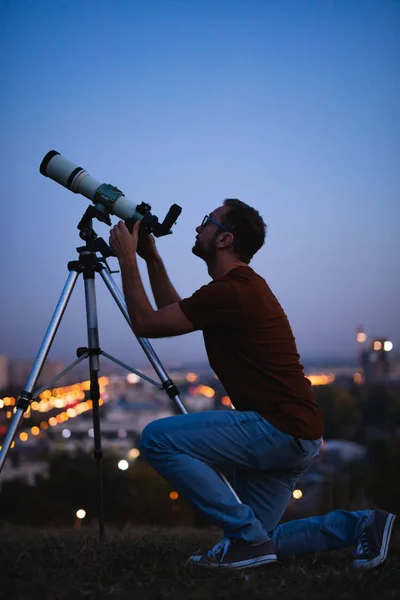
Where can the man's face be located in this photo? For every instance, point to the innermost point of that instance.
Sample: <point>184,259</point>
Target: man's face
<point>205,245</point>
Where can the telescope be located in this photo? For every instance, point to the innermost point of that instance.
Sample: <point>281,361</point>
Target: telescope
<point>107,199</point>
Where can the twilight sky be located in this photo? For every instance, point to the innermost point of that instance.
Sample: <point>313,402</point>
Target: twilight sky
<point>292,106</point>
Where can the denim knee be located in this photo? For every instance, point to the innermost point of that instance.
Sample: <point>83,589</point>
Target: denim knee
<point>151,438</point>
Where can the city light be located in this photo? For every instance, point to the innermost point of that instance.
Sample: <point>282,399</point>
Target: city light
<point>387,346</point>
<point>297,494</point>
<point>56,398</point>
<point>226,401</point>
<point>174,495</point>
<point>191,377</point>
<point>204,390</point>
<point>81,513</point>
<point>377,345</point>
<point>132,378</point>
<point>66,433</point>
<point>361,337</point>
<point>134,453</point>
<point>123,465</point>
<point>321,379</point>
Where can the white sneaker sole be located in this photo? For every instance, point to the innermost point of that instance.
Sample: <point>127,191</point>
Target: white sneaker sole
<point>378,560</point>
<point>243,564</point>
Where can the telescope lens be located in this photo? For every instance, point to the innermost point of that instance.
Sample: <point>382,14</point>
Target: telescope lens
<point>46,160</point>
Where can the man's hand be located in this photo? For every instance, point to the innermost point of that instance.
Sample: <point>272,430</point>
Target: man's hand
<point>146,247</point>
<point>123,243</point>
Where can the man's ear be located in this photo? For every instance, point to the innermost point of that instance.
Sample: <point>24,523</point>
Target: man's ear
<point>225,239</point>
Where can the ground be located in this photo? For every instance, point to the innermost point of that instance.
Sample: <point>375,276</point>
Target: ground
<point>148,563</point>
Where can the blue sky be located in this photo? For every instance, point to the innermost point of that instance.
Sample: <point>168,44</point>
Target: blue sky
<point>291,106</point>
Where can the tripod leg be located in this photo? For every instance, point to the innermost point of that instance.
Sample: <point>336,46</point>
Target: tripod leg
<point>94,365</point>
<point>167,383</point>
<point>26,396</point>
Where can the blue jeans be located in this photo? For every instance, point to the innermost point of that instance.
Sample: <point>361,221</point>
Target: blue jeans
<point>267,464</point>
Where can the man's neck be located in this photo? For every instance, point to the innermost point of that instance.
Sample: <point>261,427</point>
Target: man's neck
<point>223,266</point>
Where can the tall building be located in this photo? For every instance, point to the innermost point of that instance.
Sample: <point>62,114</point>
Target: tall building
<point>3,372</point>
<point>376,360</point>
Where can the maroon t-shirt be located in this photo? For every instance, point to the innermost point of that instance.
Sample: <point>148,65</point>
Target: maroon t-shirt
<point>252,350</point>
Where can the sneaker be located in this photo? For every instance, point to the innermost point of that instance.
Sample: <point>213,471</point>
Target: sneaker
<point>373,543</point>
<point>236,554</point>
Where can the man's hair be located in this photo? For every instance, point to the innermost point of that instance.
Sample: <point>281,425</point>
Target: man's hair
<point>247,226</point>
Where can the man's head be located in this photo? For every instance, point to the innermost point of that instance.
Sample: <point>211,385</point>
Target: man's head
<point>235,228</point>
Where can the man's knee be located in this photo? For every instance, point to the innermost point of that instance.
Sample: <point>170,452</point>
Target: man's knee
<point>152,437</point>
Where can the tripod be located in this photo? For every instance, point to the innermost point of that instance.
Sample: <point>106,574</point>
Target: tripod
<point>88,265</point>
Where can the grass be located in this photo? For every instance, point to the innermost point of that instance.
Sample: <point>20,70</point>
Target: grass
<point>135,563</point>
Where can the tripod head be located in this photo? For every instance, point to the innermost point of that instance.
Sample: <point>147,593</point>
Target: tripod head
<point>94,243</point>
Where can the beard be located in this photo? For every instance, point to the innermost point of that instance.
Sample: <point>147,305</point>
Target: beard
<point>206,253</point>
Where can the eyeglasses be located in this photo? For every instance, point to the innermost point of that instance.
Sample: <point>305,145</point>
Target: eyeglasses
<point>208,218</point>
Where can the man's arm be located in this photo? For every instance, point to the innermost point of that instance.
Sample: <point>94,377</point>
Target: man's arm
<point>147,322</point>
<point>163,291</point>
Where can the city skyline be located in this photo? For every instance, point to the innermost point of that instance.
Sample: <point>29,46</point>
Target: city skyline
<point>293,109</point>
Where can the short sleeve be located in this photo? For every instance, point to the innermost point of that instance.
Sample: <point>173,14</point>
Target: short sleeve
<point>213,305</point>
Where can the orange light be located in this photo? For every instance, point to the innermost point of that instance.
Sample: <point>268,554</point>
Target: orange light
<point>35,430</point>
<point>321,379</point>
<point>174,495</point>
<point>23,436</point>
<point>205,390</point>
<point>226,401</point>
<point>191,377</point>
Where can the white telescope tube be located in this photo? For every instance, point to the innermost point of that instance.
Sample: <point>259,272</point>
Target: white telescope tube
<point>79,181</point>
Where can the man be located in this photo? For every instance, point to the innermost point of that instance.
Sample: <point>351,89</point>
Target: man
<point>275,432</point>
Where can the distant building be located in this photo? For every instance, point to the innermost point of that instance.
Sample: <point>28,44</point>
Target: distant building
<point>19,372</point>
<point>377,361</point>
<point>4,379</point>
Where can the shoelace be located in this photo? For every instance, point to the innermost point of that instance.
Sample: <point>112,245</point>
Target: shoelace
<point>220,549</point>
<point>362,547</point>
